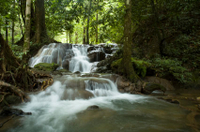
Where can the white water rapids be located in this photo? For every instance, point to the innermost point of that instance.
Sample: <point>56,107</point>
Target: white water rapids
<point>63,107</point>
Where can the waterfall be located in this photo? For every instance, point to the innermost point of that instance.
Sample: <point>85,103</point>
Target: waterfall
<point>66,105</point>
<point>101,87</point>
<point>73,55</point>
<point>80,62</point>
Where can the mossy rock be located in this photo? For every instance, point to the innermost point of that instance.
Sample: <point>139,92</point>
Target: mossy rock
<point>150,87</point>
<point>46,66</point>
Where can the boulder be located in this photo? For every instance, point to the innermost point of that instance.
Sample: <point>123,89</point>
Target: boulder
<point>93,107</point>
<point>165,83</point>
<point>96,56</point>
<point>46,66</point>
<point>72,94</point>
<point>90,48</point>
<point>148,88</point>
<point>125,86</point>
<point>65,64</point>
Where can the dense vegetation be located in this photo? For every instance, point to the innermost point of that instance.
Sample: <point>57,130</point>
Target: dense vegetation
<point>161,33</point>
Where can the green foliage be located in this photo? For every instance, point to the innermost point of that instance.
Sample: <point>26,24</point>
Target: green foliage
<point>17,50</point>
<point>164,67</point>
<point>140,66</point>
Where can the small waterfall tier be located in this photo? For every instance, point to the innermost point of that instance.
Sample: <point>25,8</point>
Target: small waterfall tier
<point>73,57</point>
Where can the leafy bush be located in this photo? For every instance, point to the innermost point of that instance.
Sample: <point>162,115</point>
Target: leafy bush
<point>174,67</point>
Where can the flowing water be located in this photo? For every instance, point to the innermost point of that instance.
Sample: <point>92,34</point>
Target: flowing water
<point>66,107</point>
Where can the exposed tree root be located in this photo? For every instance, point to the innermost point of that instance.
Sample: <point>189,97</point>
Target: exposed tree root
<point>14,90</point>
<point>1,125</point>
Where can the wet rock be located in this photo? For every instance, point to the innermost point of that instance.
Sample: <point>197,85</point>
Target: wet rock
<point>46,66</point>
<point>90,48</point>
<point>96,56</point>
<point>77,72</point>
<point>7,111</point>
<point>65,64</point>
<point>170,100</point>
<point>125,86</point>
<point>150,87</point>
<point>72,94</point>
<point>93,107</point>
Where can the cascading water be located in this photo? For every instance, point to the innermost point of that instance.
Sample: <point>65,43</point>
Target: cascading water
<point>64,106</point>
<point>75,55</point>
<point>52,53</point>
<point>80,62</point>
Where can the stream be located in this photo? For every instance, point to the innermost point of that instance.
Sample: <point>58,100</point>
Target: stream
<point>93,104</point>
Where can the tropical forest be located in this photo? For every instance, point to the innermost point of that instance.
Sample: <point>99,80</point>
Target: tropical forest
<point>100,66</point>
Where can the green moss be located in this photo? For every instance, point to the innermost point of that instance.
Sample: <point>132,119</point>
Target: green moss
<point>46,66</point>
<point>140,66</point>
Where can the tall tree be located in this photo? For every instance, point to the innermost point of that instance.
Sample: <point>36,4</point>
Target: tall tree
<point>13,22</point>
<point>41,33</point>
<point>126,64</point>
<point>97,19</point>
<point>6,21</point>
<point>88,22</point>
<point>27,36</point>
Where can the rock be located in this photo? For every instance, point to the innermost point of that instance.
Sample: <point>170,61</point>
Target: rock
<point>65,64</point>
<point>96,56</point>
<point>198,98</point>
<point>72,94</point>
<point>125,85</point>
<point>93,107</point>
<point>170,100</point>
<point>77,72</point>
<point>90,48</point>
<point>7,111</point>
<point>46,66</point>
<point>165,83</point>
<point>150,87</point>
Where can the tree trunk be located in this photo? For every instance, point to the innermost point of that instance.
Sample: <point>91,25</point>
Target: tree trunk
<point>41,34</point>
<point>7,30</point>
<point>97,19</point>
<point>27,35</point>
<point>70,37</point>
<point>22,4</point>
<point>7,59</point>
<point>13,24</point>
<point>126,63</point>
<point>76,35</point>
<point>156,28</point>
<point>88,23</point>
<point>97,29</point>
<point>20,23</point>
<point>84,41</point>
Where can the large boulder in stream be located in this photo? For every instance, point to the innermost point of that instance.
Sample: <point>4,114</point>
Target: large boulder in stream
<point>72,94</point>
<point>148,88</point>
<point>46,66</point>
